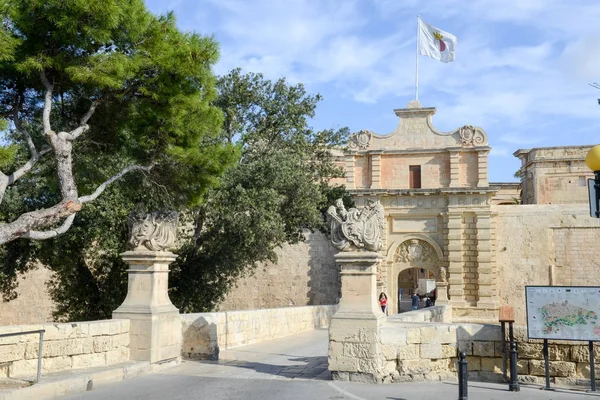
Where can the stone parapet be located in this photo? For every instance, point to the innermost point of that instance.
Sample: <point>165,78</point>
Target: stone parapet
<point>204,334</point>
<point>413,352</point>
<point>66,346</point>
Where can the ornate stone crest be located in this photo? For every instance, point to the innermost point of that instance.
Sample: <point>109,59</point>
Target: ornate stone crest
<point>360,140</point>
<point>356,229</point>
<point>470,136</point>
<point>415,251</point>
<point>155,231</point>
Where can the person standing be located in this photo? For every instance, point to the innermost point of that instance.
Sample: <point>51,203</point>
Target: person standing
<point>383,302</point>
<point>415,301</point>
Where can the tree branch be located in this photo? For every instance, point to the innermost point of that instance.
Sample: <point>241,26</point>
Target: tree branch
<point>83,126</point>
<point>43,235</point>
<point>27,224</point>
<point>47,103</point>
<point>22,130</point>
<point>37,219</point>
<point>102,187</point>
<point>12,178</point>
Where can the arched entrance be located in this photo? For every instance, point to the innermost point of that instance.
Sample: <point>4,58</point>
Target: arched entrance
<point>416,260</point>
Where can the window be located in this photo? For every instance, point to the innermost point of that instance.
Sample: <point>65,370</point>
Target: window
<point>414,176</point>
<point>582,181</point>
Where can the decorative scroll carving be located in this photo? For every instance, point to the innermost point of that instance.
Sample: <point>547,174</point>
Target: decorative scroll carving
<point>470,136</point>
<point>360,140</point>
<point>155,231</point>
<point>356,229</point>
<point>416,251</point>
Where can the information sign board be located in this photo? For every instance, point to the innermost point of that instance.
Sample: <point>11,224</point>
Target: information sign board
<point>563,312</point>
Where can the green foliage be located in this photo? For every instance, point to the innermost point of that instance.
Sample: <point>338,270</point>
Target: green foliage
<point>158,102</point>
<point>154,91</point>
<point>153,83</point>
<point>276,192</point>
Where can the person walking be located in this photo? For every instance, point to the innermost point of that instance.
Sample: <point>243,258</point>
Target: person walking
<point>383,302</point>
<point>415,301</point>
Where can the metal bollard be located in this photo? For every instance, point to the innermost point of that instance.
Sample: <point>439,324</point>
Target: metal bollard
<point>513,386</point>
<point>462,376</point>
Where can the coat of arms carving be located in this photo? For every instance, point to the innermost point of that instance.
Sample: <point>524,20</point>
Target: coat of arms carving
<point>357,229</point>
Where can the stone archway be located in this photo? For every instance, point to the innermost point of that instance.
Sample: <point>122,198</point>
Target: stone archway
<point>417,253</point>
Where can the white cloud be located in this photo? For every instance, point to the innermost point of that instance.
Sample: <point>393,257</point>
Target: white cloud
<point>521,70</point>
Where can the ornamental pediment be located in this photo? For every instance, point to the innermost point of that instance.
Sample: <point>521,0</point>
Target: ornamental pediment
<point>415,131</point>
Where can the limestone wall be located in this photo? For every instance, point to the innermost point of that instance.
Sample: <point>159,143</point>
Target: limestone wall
<point>413,352</point>
<point>33,304</point>
<point>543,245</point>
<point>66,346</point>
<point>306,274</point>
<point>205,333</point>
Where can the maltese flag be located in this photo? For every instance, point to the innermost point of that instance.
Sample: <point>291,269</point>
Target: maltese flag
<point>436,43</point>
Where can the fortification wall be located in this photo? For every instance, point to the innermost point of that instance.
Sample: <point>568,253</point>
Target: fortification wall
<point>33,304</point>
<point>305,274</point>
<point>543,245</point>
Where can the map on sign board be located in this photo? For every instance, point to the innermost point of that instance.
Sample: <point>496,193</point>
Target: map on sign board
<point>563,312</point>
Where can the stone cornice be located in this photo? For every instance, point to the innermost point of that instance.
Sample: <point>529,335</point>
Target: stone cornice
<point>385,151</point>
<point>422,192</point>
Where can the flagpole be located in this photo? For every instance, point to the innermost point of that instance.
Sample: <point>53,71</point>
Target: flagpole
<point>417,59</point>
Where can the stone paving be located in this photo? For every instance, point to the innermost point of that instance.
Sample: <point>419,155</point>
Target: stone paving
<point>308,360</point>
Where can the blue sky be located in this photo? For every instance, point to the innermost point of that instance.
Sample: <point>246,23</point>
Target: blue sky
<point>521,72</point>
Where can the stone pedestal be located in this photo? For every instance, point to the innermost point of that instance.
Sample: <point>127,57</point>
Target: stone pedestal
<point>354,346</point>
<point>442,293</point>
<point>155,325</point>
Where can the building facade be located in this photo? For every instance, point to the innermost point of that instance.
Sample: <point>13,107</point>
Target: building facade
<point>554,175</point>
<point>434,188</point>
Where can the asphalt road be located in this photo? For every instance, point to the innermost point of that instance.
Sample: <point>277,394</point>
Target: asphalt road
<point>292,368</point>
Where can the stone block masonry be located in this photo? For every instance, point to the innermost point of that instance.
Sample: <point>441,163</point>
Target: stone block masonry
<point>427,351</point>
<point>205,333</point>
<point>66,346</point>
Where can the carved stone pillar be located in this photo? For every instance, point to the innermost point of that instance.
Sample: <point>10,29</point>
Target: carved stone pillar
<point>155,325</point>
<point>376,170</point>
<point>356,323</point>
<point>454,173</point>
<point>455,260</point>
<point>354,345</point>
<point>482,164</point>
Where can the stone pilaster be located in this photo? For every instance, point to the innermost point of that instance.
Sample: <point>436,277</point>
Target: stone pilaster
<point>376,170</point>
<point>455,259</point>
<point>155,325</point>
<point>487,298</point>
<point>350,181</point>
<point>354,346</point>
<point>482,164</point>
<point>454,173</point>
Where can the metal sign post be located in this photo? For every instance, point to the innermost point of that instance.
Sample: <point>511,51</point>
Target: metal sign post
<point>592,367</point>
<point>547,365</point>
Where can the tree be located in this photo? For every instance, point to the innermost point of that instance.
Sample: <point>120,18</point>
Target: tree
<point>91,90</point>
<point>279,188</point>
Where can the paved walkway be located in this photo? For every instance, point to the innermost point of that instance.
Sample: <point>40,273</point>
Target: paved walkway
<point>293,368</point>
<point>302,356</point>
